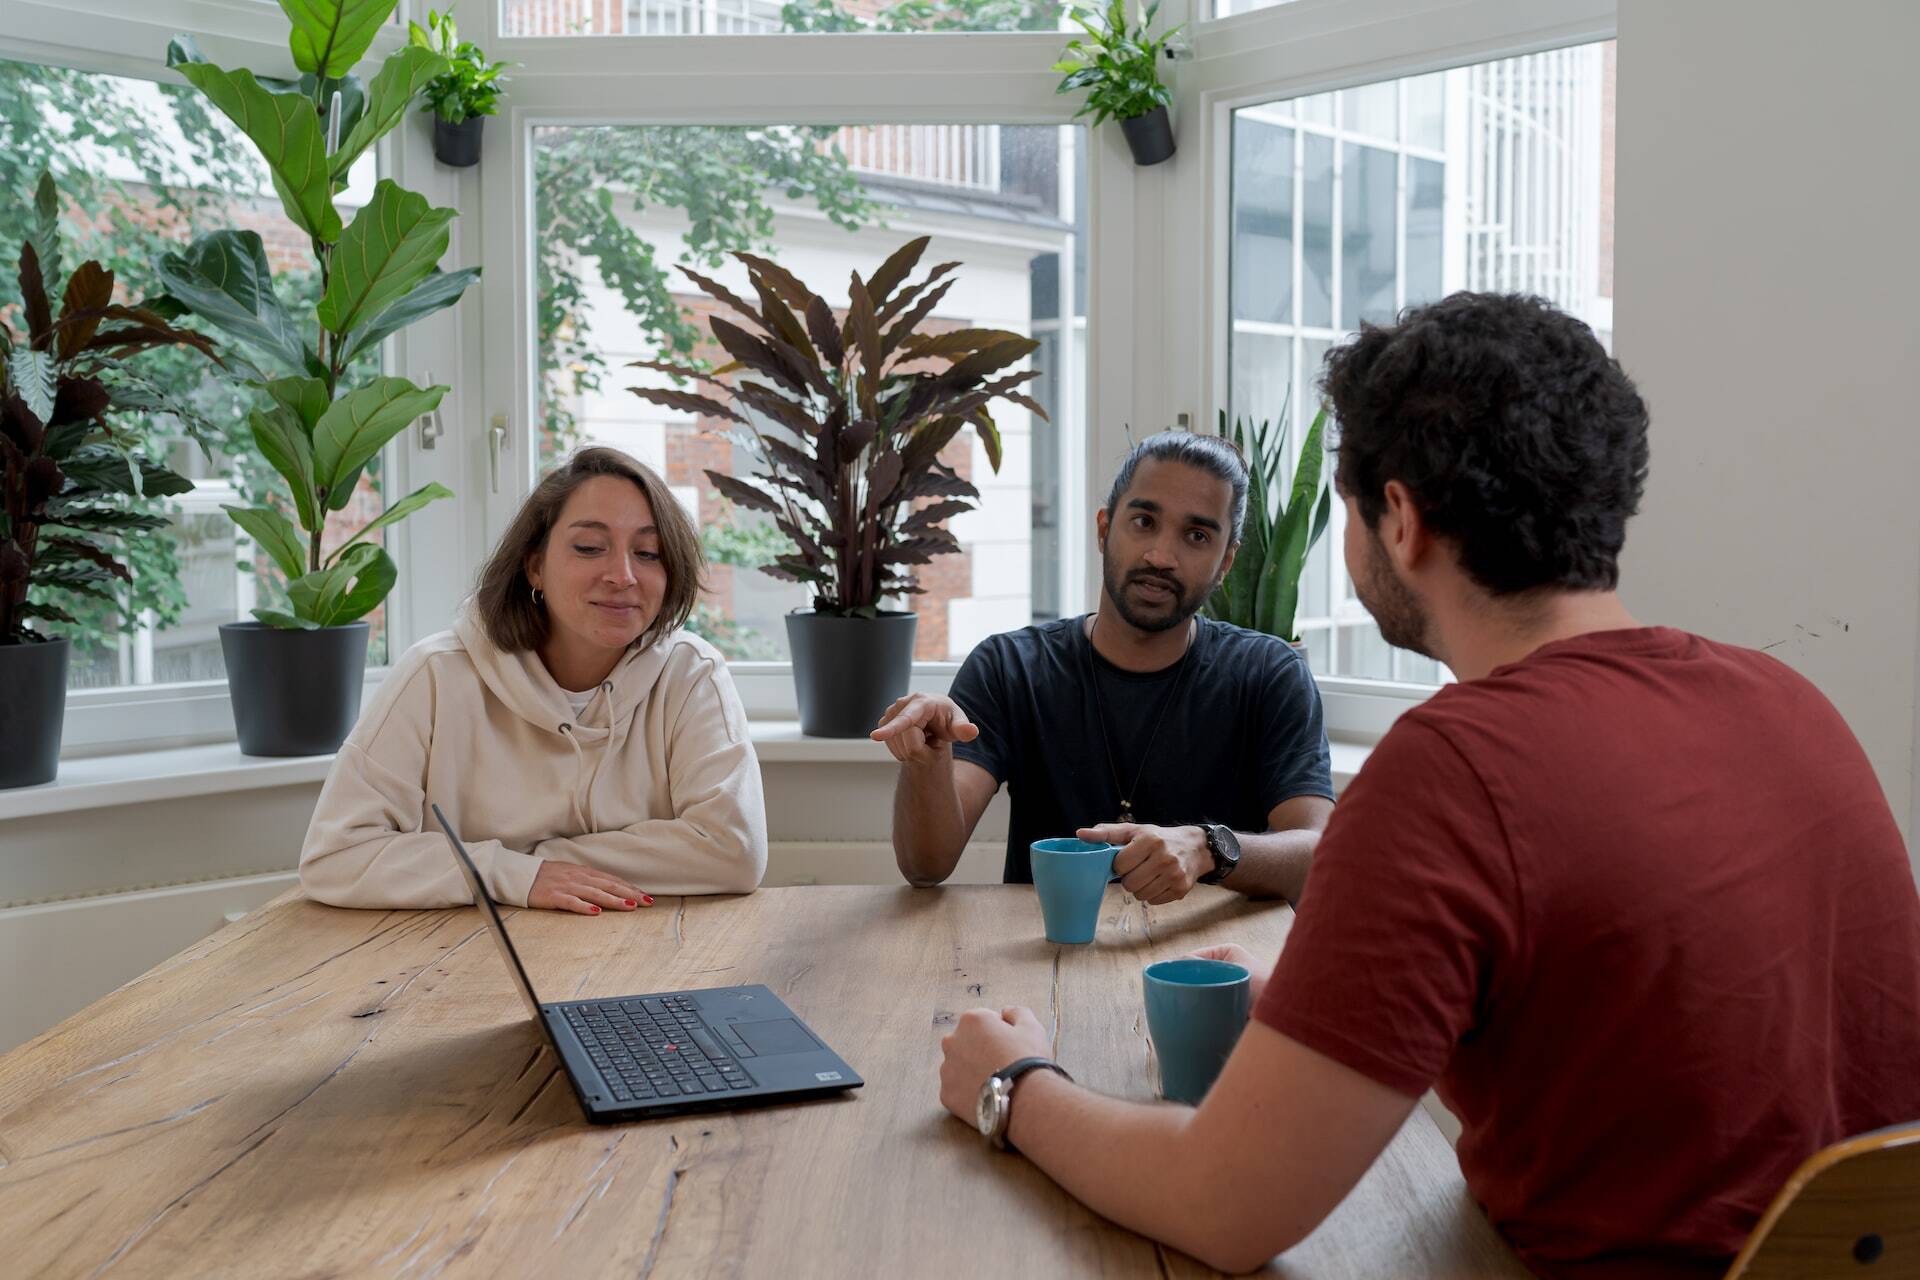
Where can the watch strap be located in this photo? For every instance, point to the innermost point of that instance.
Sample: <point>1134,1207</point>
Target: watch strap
<point>1221,867</point>
<point>1011,1073</point>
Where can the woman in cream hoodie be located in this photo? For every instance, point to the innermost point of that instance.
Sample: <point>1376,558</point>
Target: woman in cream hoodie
<point>588,750</point>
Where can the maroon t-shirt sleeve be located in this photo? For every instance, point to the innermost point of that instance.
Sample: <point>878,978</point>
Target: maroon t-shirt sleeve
<point>1411,914</point>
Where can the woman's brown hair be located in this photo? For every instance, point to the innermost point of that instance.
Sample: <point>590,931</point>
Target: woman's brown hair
<point>504,600</point>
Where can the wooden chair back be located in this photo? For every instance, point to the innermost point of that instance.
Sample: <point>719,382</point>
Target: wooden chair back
<point>1852,1209</point>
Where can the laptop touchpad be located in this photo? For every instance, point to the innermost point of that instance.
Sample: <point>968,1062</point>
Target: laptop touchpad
<point>779,1035</point>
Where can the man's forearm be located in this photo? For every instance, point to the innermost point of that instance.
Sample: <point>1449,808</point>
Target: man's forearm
<point>1124,1160</point>
<point>1273,864</point>
<point>929,828</point>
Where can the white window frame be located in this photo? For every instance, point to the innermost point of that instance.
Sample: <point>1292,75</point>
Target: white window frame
<point>1296,50</point>
<point>1155,252</point>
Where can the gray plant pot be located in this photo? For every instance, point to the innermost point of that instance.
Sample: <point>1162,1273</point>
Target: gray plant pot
<point>1149,137</point>
<point>33,709</point>
<point>457,145</point>
<point>295,693</point>
<point>846,670</point>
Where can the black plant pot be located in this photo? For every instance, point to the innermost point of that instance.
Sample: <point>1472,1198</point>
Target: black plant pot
<point>33,708</point>
<point>846,670</point>
<point>457,145</point>
<point>295,693</point>
<point>1149,137</point>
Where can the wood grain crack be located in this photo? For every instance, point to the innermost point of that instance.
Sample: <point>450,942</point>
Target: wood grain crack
<point>660,1227</point>
<point>367,1039</point>
<point>193,1110</point>
<point>1160,1260</point>
<point>533,1098</point>
<point>680,924</point>
<point>126,1246</point>
<point>1053,1005</point>
<point>594,1190</point>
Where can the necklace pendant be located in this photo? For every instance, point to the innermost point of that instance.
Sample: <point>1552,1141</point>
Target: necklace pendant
<point>1126,812</point>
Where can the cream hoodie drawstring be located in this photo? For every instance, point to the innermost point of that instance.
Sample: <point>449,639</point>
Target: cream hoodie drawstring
<point>584,776</point>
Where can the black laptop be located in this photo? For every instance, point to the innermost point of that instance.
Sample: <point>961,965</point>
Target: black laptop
<point>672,1052</point>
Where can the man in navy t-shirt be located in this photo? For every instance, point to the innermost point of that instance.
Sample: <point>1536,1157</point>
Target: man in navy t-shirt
<point>1196,746</point>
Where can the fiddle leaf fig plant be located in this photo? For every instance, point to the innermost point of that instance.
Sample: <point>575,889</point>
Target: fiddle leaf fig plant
<point>847,417</point>
<point>1262,590</point>
<point>318,423</point>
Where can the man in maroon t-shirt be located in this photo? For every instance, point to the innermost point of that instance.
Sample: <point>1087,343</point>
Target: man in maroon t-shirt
<point>1631,900</point>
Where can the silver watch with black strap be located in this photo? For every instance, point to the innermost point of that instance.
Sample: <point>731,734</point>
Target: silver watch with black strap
<point>1225,848</point>
<point>995,1110</point>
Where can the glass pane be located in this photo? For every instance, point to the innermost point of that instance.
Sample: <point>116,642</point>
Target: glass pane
<point>1517,195</point>
<point>1316,234</point>
<point>1372,109</point>
<point>1426,196</point>
<point>142,168</point>
<point>823,202</point>
<point>1363,654</point>
<point>1227,8</point>
<point>1262,221</point>
<point>1367,200</point>
<point>763,17</point>
<point>1427,111</point>
<point>1262,376</point>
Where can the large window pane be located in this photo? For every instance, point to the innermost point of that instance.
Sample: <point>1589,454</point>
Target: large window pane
<point>144,168</point>
<point>764,17</point>
<point>618,208</point>
<point>1368,230</point>
<point>1262,220</point>
<point>1316,233</point>
<point>1491,177</point>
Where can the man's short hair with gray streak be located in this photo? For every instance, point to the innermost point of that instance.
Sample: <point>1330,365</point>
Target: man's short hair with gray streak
<point>1211,454</point>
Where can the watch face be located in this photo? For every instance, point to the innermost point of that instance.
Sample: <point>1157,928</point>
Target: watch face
<point>985,1112</point>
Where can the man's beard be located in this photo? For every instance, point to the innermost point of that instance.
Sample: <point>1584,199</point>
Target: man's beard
<point>1165,615</point>
<point>1401,618</point>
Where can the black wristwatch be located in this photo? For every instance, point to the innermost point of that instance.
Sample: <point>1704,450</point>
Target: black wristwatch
<point>995,1109</point>
<point>1225,847</point>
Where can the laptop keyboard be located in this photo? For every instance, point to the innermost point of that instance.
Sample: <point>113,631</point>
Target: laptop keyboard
<point>655,1047</point>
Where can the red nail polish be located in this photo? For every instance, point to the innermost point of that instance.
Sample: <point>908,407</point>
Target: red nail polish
<point>632,903</point>
<point>646,899</point>
<point>596,911</point>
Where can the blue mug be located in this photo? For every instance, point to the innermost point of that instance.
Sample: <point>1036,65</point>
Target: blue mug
<point>1196,1010</point>
<point>1071,877</point>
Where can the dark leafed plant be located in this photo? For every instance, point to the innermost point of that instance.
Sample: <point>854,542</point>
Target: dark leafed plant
<point>1262,590</point>
<point>318,425</point>
<point>848,418</point>
<point>63,471</point>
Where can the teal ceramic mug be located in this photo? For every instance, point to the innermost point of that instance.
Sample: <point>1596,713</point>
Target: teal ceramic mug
<point>1071,877</point>
<point>1196,1010</point>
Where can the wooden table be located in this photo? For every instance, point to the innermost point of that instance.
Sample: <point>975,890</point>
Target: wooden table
<point>313,1091</point>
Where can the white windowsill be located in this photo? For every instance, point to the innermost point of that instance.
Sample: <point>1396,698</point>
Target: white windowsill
<point>178,773</point>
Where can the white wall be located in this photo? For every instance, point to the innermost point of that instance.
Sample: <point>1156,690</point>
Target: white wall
<point>1767,266</point>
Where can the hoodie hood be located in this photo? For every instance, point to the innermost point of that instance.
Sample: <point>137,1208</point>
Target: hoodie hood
<point>524,686</point>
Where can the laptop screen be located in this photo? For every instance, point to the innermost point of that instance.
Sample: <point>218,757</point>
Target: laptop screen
<point>495,925</point>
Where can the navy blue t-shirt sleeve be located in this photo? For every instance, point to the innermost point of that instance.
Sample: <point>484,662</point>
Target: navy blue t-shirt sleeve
<point>1293,755</point>
<point>980,689</point>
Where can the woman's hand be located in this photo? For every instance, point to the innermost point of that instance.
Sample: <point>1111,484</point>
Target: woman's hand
<point>1234,953</point>
<point>568,886</point>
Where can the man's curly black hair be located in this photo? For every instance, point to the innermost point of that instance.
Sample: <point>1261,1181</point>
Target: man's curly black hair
<point>1521,439</point>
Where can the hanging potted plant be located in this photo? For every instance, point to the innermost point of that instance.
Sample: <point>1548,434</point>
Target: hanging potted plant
<point>1262,590</point>
<point>64,476</point>
<point>461,97</point>
<point>1119,67</point>
<point>847,418</point>
<point>296,674</point>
